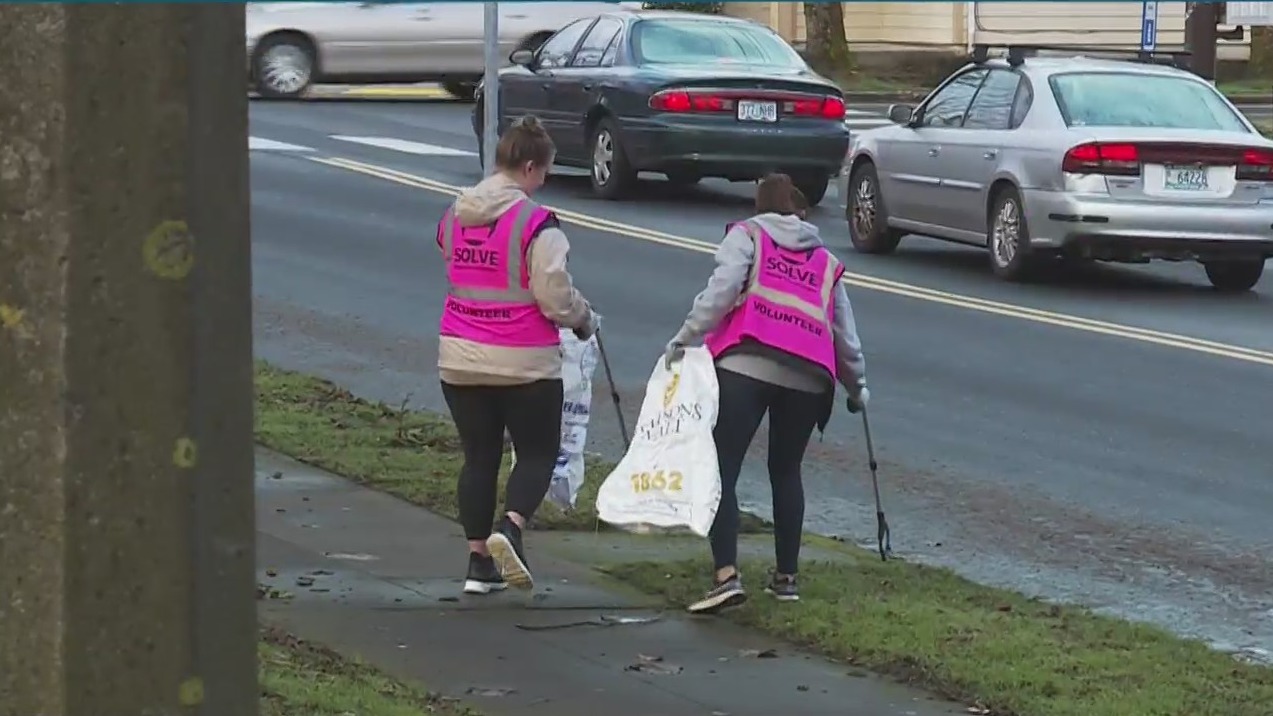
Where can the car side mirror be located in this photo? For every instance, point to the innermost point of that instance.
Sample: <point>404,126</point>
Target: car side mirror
<point>525,58</point>
<point>901,113</point>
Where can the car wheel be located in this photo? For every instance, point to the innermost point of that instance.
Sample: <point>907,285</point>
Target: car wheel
<point>1008,237</point>
<point>1234,276</point>
<point>283,66</point>
<point>612,175</point>
<point>460,89</point>
<point>684,178</point>
<point>813,186</point>
<point>868,220</point>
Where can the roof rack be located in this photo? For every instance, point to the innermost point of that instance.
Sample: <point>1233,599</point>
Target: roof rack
<point>1016,54</point>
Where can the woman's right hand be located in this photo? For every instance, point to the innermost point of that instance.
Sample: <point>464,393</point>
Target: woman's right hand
<point>673,352</point>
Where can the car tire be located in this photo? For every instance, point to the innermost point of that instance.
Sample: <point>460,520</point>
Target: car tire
<point>683,178</point>
<point>461,89</point>
<point>864,209</point>
<point>1234,276</point>
<point>813,186</point>
<point>1008,237</point>
<point>611,173</point>
<point>284,66</point>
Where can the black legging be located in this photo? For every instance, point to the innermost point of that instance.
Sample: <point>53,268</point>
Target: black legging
<point>532,415</point>
<point>793,414</point>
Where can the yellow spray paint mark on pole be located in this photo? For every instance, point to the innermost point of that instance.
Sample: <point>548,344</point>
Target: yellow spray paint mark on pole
<point>10,316</point>
<point>185,454</point>
<point>190,692</point>
<point>169,250</point>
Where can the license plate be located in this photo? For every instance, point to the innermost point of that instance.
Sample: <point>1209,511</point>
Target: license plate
<point>750,110</point>
<point>1185,178</point>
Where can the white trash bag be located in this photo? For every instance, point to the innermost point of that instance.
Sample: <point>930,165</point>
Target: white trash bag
<point>578,363</point>
<point>669,477</point>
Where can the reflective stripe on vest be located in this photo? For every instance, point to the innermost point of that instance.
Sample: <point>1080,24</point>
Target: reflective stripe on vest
<point>820,313</point>
<point>514,292</point>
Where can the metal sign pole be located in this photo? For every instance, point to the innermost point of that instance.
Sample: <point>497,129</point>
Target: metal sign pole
<point>490,89</point>
<point>1149,26</point>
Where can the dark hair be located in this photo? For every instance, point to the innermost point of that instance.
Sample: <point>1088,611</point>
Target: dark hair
<point>524,141</point>
<point>777,195</point>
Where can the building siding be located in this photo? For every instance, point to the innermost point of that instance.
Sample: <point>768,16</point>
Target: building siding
<point>944,25</point>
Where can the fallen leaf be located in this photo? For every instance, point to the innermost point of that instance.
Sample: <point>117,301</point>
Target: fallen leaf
<point>653,665</point>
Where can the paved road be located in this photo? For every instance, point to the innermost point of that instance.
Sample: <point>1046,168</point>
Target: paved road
<point>1100,437</point>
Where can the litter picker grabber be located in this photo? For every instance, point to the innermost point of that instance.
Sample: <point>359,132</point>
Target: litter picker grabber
<point>614,391</point>
<point>883,536</point>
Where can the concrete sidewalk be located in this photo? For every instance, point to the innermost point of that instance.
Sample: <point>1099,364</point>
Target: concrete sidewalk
<point>368,574</point>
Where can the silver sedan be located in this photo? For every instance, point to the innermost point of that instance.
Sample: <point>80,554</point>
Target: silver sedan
<point>1090,159</point>
<point>295,44</point>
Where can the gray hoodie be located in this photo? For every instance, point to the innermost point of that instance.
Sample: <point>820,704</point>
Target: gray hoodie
<point>734,259</point>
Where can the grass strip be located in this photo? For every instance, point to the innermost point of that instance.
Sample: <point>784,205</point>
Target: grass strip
<point>998,650</point>
<point>299,678</point>
<point>1266,128</point>
<point>413,455</point>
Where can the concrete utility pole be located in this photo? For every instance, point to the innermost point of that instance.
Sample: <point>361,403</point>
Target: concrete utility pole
<point>126,504</point>
<point>1201,37</point>
<point>490,87</point>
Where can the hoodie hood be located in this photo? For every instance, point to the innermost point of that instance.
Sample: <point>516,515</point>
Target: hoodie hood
<point>789,231</point>
<point>483,204</point>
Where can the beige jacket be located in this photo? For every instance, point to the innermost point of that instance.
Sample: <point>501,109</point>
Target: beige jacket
<point>464,362</point>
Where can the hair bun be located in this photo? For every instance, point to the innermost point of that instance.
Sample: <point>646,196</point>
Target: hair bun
<point>528,121</point>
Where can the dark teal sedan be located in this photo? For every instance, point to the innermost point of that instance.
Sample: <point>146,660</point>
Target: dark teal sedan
<point>689,96</point>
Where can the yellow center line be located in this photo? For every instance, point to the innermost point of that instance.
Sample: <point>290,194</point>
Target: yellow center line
<point>1144,335</point>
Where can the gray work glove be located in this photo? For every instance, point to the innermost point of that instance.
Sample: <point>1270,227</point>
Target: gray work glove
<point>590,326</point>
<point>858,399</point>
<point>673,352</point>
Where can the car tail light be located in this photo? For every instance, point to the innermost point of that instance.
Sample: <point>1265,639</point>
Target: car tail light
<point>681,101</point>
<point>1256,165</point>
<point>821,107</point>
<point>685,101</point>
<point>1099,158</point>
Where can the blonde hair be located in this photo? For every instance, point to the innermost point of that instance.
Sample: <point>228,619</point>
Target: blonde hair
<point>525,141</point>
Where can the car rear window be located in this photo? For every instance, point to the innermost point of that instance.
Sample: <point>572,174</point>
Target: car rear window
<point>1114,99</point>
<point>703,42</point>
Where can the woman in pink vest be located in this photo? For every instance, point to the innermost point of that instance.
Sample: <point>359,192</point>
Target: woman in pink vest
<point>499,359</point>
<point>778,322</point>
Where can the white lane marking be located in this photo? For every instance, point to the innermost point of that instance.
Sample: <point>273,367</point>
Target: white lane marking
<point>269,145</point>
<point>861,113</point>
<point>866,123</point>
<point>406,146</point>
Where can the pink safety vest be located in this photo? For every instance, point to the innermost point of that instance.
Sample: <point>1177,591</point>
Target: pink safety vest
<point>788,302</point>
<point>488,282</point>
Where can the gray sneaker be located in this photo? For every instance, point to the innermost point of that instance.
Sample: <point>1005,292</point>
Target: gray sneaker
<point>783,587</point>
<point>723,595</point>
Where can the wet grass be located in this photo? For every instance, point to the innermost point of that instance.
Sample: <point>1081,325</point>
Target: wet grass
<point>993,649</point>
<point>299,678</point>
<point>998,651</point>
<point>1251,87</point>
<point>413,455</point>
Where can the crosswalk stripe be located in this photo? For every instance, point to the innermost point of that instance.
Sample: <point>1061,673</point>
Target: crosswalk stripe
<point>263,144</point>
<point>867,123</point>
<point>406,146</point>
